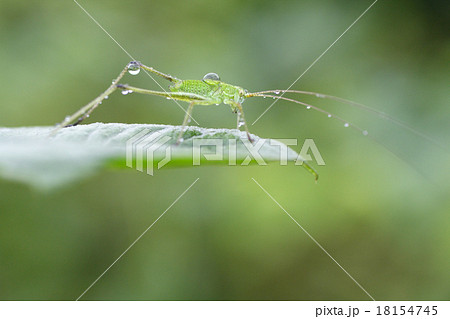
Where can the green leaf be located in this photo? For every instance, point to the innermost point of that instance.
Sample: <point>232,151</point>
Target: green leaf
<point>35,156</point>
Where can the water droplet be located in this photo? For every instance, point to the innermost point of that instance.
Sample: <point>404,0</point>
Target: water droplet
<point>211,76</point>
<point>273,97</point>
<point>320,95</point>
<point>264,97</point>
<point>308,107</point>
<point>106,97</point>
<point>66,118</point>
<point>329,115</point>
<point>241,123</point>
<point>168,98</point>
<point>87,115</point>
<point>346,125</point>
<point>277,92</point>
<point>125,92</point>
<point>365,133</point>
<point>134,69</point>
<point>217,103</point>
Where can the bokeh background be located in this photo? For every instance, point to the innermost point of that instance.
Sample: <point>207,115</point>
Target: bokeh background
<point>380,209</point>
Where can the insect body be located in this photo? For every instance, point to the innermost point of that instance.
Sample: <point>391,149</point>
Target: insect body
<point>208,91</point>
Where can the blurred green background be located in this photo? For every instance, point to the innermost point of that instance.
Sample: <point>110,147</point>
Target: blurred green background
<point>384,216</point>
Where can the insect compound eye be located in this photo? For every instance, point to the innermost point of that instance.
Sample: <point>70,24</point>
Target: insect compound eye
<point>243,92</point>
<point>211,76</point>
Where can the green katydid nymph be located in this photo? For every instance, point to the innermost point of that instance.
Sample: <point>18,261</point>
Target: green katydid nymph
<point>208,91</point>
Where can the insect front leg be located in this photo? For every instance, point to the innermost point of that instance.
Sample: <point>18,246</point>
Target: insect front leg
<point>237,108</point>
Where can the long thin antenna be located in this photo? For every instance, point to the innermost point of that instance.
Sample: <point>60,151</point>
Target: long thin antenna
<point>361,106</point>
<point>309,106</point>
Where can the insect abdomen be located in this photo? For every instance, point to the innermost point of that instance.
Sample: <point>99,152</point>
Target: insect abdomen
<point>192,86</point>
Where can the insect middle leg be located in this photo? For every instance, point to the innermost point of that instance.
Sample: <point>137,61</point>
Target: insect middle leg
<point>192,98</point>
<point>185,121</point>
